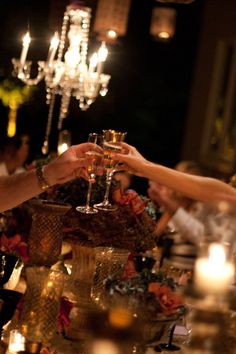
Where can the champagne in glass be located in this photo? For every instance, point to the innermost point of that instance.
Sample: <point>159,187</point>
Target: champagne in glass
<point>95,163</point>
<point>111,144</point>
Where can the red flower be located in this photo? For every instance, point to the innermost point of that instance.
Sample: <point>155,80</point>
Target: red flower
<point>47,351</point>
<point>169,300</point>
<point>129,270</point>
<point>130,198</point>
<point>14,245</point>
<point>64,314</point>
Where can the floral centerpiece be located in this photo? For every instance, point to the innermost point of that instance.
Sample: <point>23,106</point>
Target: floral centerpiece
<point>150,293</point>
<point>150,296</point>
<point>129,227</point>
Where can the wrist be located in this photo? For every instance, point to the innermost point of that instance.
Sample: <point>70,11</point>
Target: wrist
<point>42,178</point>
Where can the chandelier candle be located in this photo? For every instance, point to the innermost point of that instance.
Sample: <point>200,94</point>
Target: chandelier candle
<point>66,71</point>
<point>26,42</point>
<point>53,48</point>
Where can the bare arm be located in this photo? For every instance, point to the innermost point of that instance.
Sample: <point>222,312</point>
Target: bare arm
<point>16,189</point>
<point>200,188</point>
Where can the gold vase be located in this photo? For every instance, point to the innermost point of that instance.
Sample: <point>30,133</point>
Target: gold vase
<point>78,290</point>
<point>41,304</point>
<point>109,260</point>
<point>45,238</point>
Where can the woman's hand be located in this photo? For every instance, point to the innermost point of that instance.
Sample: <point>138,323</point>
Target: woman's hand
<point>132,160</point>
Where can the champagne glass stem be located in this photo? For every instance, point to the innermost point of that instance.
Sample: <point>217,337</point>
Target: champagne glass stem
<point>108,186</point>
<point>89,194</point>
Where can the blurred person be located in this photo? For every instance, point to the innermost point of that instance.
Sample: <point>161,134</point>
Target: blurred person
<point>124,178</point>
<point>14,152</point>
<point>214,216</point>
<point>168,200</point>
<point>73,163</point>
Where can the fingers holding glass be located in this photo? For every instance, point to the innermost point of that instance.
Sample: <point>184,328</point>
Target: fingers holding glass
<point>94,164</point>
<point>111,144</point>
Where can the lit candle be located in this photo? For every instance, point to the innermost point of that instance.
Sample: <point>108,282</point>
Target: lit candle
<point>102,56</point>
<point>16,342</point>
<point>93,62</point>
<point>213,275</point>
<point>25,42</point>
<point>53,48</point>
<point>104,346</point>
<point>62,148</point>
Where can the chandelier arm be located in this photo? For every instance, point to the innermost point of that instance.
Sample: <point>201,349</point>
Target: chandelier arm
<point>49,123</point>
<point>70,73</point>
<point>63,35</point>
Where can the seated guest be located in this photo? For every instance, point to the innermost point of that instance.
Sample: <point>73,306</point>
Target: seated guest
<point>124,178</point>
<point>218,197</point>
<point>14,152</point>
<point>171,202</point>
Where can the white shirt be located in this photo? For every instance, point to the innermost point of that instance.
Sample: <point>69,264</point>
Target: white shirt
<point>205,222</point>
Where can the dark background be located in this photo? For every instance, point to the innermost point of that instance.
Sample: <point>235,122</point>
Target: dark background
<point>150,81</point>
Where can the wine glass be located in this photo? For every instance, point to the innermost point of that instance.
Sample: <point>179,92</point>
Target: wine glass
<point>111,144</point>
<point>169,346</point>
<point>96,160</point>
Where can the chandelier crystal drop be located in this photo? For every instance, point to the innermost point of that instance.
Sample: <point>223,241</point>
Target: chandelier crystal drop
<point>70,74</point>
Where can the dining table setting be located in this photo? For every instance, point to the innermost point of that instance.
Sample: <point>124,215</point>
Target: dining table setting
<point>82,270</point>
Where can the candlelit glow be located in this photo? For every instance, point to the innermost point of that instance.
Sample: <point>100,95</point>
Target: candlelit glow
<point>62,148</point>
<point>68,75</point>
<point>104,347</point>
<point>163,23</point>
<point>120,317</point>
<point>16,342</point>
<point>64,141</point>
<point>164,35</point>
<point>111,18</point>
<point>213,274</point>
<point>216,255</point>
<point>112,34</point>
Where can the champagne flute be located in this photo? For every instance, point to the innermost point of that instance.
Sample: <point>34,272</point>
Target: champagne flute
<point>96,160</point>
<point>111,144</point>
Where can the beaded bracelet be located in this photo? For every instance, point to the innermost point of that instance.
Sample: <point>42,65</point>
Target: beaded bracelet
<point>42,182</point>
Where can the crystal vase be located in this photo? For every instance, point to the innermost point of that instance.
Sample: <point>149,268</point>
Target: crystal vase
<point>45,238</point>
<point>109,260</point>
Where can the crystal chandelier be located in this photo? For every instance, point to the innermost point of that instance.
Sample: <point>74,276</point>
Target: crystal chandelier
<point>69,74</point>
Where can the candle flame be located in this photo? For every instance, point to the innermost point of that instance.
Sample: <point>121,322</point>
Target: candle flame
<point>94,60</point>
<point>217,255</point>
<point>26,39</point>
<point>54,41</point>
<point>102,52</point>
